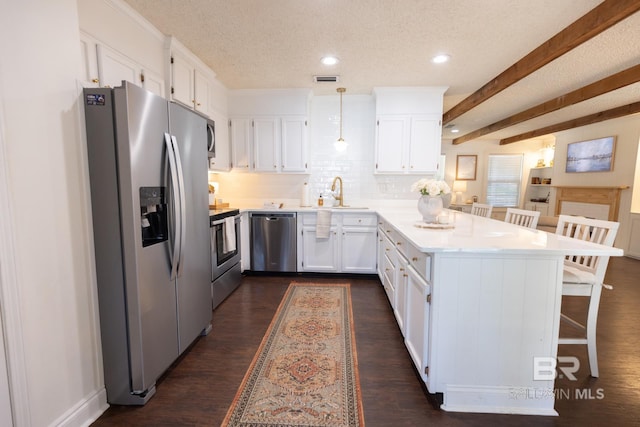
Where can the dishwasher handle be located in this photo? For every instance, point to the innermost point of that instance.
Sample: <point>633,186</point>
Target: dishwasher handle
<point>273,216</point>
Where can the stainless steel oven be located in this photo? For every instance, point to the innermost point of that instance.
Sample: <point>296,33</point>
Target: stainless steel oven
<point>225,262</point>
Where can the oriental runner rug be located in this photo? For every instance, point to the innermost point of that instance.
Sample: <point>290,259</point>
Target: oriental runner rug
<point>305,372</point>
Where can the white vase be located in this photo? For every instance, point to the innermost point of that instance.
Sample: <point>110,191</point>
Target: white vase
<point>430,207</point>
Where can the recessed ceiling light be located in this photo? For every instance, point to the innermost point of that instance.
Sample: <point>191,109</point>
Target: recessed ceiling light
<point>329,60</point>
<point>440,59</point>
<point>454,131</point>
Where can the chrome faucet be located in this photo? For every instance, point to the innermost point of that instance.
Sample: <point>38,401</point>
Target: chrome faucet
<point>340,197</point>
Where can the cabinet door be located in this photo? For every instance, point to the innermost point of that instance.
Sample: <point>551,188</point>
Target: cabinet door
<point>320,255</point>
<point>358,249</point>
<point>153,82</point>
<point>182,80</point>
<point>417,321</point>
<point>294,144</point>
<point>425,144</point>
<point>202,90</point>
<point>265,139</point>
<point>240,135</point>
<point>380,253</point>
<point>392,134</point>
<point>89,71</point>
<point>400,308</point>
<point>114,67</point>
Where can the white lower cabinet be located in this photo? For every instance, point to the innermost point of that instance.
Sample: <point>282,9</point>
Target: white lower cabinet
<point>320,254</point>
<point>400,307</point>
<point>350,247</point>
<point>406,276</point>
<point>416,321</point>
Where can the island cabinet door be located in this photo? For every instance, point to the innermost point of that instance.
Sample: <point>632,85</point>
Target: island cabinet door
<point>418,301</point>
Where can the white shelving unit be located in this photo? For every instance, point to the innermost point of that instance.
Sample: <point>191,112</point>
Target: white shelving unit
<point>539,190</point>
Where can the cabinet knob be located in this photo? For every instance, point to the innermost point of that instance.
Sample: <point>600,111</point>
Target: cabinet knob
<point>95,81</point>
<point>399,243</point>
<point>414,259</point>
<point>405,275</point>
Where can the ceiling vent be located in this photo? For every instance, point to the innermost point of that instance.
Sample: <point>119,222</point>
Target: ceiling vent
<point>325,79</point>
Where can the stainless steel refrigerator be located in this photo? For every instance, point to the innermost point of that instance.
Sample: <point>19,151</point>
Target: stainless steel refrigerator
<point>149,196</point>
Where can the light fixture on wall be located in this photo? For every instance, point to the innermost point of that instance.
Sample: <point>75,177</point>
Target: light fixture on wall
<point>340,144</point>
<point>459,187</point>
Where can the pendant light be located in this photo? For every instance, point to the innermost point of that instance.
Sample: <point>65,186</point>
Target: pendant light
<point>340,144</point>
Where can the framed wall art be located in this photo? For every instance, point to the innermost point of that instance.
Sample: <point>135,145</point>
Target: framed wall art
<point>466,167</point>
<point>594,155</point>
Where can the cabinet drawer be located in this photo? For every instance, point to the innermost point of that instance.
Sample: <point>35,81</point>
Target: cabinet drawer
<point>355,219</point>
<point>401,244</point>
<point>420,261</point>
<point>312,219</point>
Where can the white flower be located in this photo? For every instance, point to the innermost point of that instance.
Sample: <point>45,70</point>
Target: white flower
<point>431,187</point>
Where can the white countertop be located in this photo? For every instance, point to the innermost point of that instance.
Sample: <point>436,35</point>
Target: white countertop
<point>470,233</point>
<point>475,234</point>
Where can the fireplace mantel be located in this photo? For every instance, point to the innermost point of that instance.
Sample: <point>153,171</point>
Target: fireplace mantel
<point>609,196</point>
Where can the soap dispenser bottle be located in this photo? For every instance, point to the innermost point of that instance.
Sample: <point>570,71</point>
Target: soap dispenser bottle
<point>320,200</point>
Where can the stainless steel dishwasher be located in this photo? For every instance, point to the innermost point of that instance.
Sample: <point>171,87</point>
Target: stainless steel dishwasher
<point>273,241</point>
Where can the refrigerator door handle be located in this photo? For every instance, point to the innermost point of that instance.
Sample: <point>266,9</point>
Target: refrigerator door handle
<point>183,205</point>
<point>177,223</point>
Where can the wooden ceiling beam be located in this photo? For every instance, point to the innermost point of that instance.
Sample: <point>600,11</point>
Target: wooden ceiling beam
<point>600,18</point>
<point>601,116</point>
<point>608,84</point>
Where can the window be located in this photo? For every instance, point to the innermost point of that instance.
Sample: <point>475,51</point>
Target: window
<point>503,182</point>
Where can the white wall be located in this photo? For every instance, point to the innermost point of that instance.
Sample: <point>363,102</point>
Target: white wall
<point>627,131</point>
<point>48,198</point>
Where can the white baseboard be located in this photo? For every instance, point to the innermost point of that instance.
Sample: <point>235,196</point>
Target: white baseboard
<point>85,412</point>
<point>499,400</point>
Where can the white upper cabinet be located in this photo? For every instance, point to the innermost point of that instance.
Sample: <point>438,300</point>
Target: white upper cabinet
<point>408,129</point>
<point>265,144</point>
<point>240,135</point>
<point>269,130</point>
<point>89,72</point>
<point>294,144</point>
<point>106,67</point>
<point>114,67</point>
<point>190,81</point>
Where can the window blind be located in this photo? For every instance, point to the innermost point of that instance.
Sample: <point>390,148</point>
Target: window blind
<point>503,182</point>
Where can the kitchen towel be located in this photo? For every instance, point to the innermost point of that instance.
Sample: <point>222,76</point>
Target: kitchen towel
<point>323,224</point>
<point>229,235</point>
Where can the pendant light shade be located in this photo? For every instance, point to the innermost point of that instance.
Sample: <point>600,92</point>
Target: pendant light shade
<point>340,144</point>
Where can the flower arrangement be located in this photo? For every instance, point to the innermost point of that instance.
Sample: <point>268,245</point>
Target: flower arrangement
<point>431,187</point>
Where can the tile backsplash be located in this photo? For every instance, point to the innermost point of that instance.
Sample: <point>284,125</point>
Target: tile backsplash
<point>355,165</point>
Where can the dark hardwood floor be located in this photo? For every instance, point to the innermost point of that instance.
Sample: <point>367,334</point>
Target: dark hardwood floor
<point>199,389</point>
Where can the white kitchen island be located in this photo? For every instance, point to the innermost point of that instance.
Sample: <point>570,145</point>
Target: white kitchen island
<point>479,307</point>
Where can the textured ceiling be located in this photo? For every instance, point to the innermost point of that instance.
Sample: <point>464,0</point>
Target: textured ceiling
<point>279,43</point>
